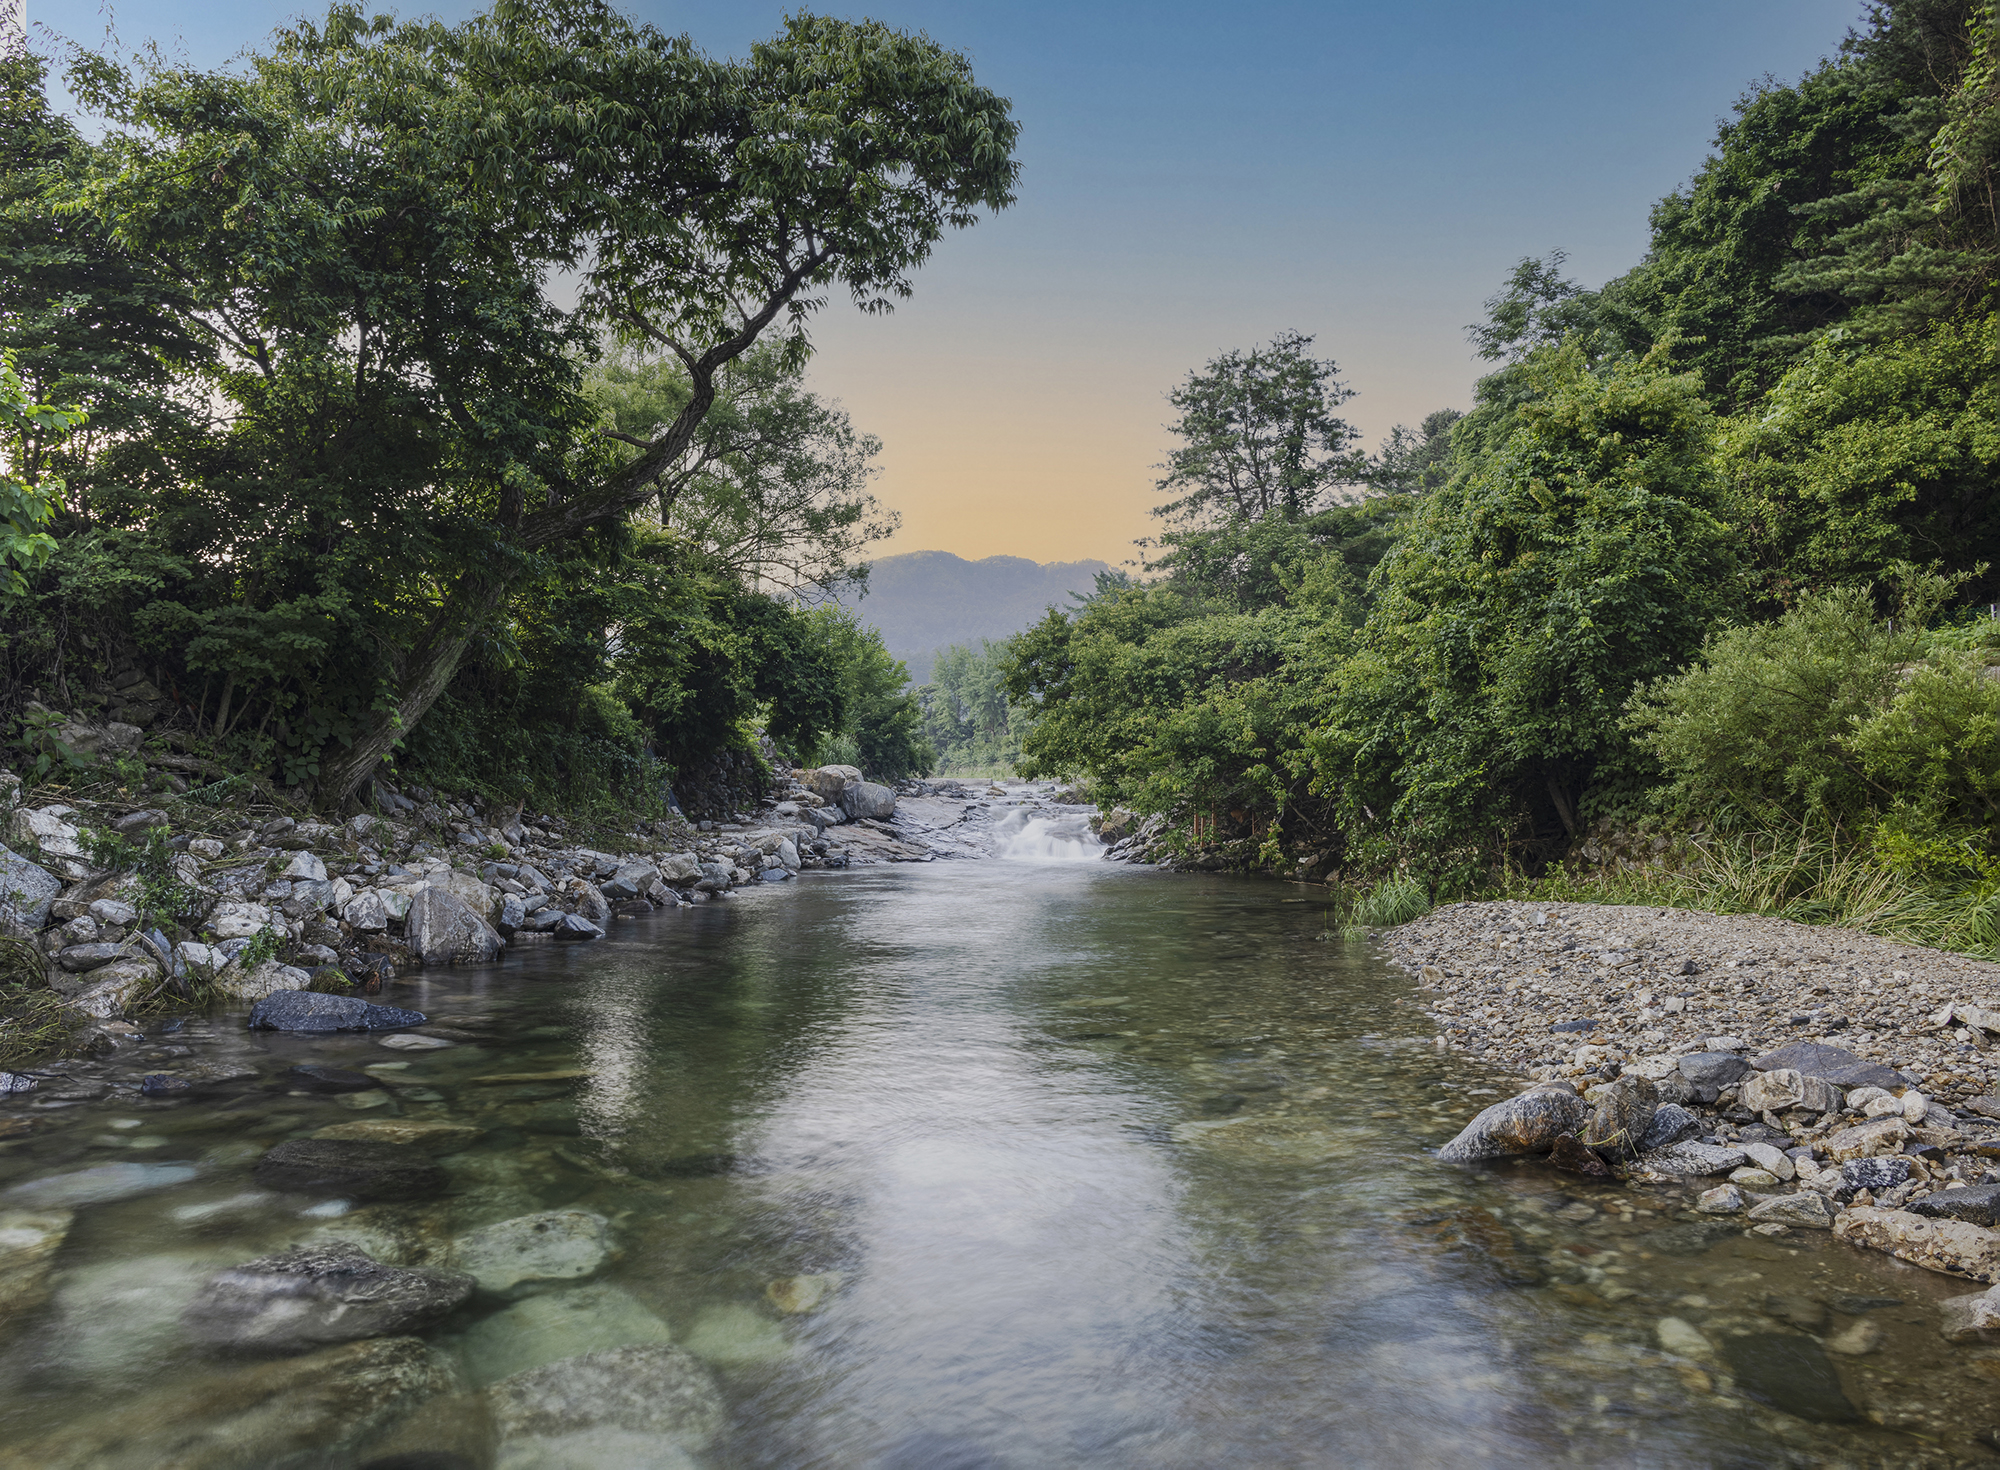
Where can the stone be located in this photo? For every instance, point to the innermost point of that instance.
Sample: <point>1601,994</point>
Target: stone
<point>304,867</point>
<point>732,1335</point>
<point>647,1388</point>
<point>59,844</point>
<point>630,881</point>
<point>78,958</point>
<point>409,1041</point>
<point>1571,1155</point>
<point>442,930</point>
<point>1528,1124</point>
<point>350,1168</point>
<point>1713,1068</point>
<point>1835,1064</point>
<point>865,799</point>
<point>1791,1373</point>
<point>291,1412</point>
<point>1867,1140</point>
<point>513,914</point>
<point>1772,1161</point>
<point>1693,1159</point>
<point>310,1011</point>
<point>1885,1172</point>
<point>1680,1337</point>
<point>788,854</point>
<point>29,1240</point>
<point>262,981</point>
<point>312,1296</point>
<point>556,1245</point>
<point>828,782</point>
<point>435,1136</point>
<point>1753,1179</point>
<point>576,927</point>
<point>316,1078</point>
<point>1621,1113</point>
<point>797,1295</point>
<point>366,913</point>
<point>1671,1123</point>
<point>1724,1199</point>
<point>1952,1247</point>
<point>101,1184</point>
<point>15,1082</point>
<point>1971,1319</point>
<point>114,911</point>
<point>1857,1340</point>
<point>554,1325</point>
<point>1806,1209</point>
<point>26,891</point>
<point>1978,1204</point>
<point>239,919</point>
<point>1786,1087</point>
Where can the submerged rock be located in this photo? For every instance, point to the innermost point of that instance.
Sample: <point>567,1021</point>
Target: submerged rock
<point>557,1245</point>
<point>99,1185</point>
<point>1974,1318</point>
<point>436,1137</point>
<point>556,1325</point>
<point>646,1390</point>
<point>1949,1246</point>
<point>1791,1373</point>
<point>28,1244</point>
<point>314,1295</point>
<point>1528,1124</point>
<point>356,1170</point>
<point>310,1010</point>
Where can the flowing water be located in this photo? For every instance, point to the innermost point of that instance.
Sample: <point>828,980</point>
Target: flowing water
<point>1072,1165</point>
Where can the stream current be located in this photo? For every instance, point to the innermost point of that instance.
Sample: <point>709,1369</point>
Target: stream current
<point>1071,1164</point>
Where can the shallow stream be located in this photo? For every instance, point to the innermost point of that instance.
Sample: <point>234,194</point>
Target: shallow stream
<point>1067,1164</point>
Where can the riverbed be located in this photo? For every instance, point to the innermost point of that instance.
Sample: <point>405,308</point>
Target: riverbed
<point>982,1164</point>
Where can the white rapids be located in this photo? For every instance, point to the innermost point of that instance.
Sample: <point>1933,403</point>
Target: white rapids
<point>1059,839</point>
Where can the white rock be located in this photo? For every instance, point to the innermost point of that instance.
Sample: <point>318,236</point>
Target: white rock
<point>1679,1337</point>
<point>305,866</point>
<point>1773,1161</point>
<point>234,919</point>
<point>556,1245</point>
<point>366,912</point>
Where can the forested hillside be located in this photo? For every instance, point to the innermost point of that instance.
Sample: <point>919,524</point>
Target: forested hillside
<point>1702,576</point>
<point>922,602</point>
<point>307,476</point>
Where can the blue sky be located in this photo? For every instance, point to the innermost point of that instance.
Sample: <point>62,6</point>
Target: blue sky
<point>1199,178</point>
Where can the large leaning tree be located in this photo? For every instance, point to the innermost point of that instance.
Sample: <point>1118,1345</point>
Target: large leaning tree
<point>399,244</point>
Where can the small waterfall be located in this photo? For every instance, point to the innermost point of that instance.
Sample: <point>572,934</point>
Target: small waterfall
<point>1059,839</point>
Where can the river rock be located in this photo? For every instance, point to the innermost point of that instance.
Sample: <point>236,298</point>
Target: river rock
<point>26,891</point>
<point>117,987</point>
<point>442,930</point>
<point>113,1320</point>
<point>1671,1123</point>
<point>311,1296</point>
<point>1973,1318</point>
<point>1621,1113</point>
<point>100,1184</point>
<point>292,1412</point>
<point>1885,1172</point>
<point>1528,1124</point>
<point>59,842</point>
<point>1785,1087</point>
<point>1867,1140</point>
<point>1771,1160</point>
<point>435,1136</point>
<point>1724,1199</point>
<point>556,1245</point>
<point>576,927</point>
<point>262,981</point>
<point>1791,1373</point>
<point>239,919</point>
<point>555,1325</point>
<point>645,1389</point>
<point>1807,1209</point>
<point>1977,1205</point>
<point>828,782</point>
<point>366,913</point>
<point>309,1010</point>
<point>865,799</point>
<point>349,1168</point>
<point>29,1240</point>
<point>630,881</point>
<point>1693,1159</point>
<point>1950,1246</point>
<point>1713,1068</point>
<point>316,1078</point>
<point>513,914</point>
<point>79,958</point>
<point>1835,1064</point>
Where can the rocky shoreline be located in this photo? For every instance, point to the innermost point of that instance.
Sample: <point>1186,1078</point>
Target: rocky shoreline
<point>1794,1077</point>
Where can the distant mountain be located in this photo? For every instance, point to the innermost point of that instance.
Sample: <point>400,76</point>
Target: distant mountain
<point>927,600</point>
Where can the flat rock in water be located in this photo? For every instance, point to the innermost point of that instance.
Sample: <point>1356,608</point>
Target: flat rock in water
<point>1791,1373</point>
<point>434,1136</point>
<point>557,1245</point>
<point>99,1185</point>
<point>1805,1209</point>
<point>310,1010</point>
<point>646,1389</point>
<point>1977,1205</point>
<point>1571,1155</point>
<point>1693,1159</point>
<point>556,1325</point>
<point>355,1170</point>
<point>406,1041</point>
<point>1836,1064</point>
<point>29,1240</point>
<point>312,1296</point>
<point>1528,1124</point>
<point>330,1079</point>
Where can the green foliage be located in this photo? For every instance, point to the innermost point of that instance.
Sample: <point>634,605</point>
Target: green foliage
<point>265,944</point>
<point>25,510</point>
<point>1397,899</point>
<point>163,900</point>
<point>882,721</point>
<point>967,718</point>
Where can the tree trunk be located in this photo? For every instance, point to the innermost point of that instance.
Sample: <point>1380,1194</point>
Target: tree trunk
<point>1563,808</point>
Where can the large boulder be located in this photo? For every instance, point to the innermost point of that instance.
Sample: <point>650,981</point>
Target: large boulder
<point>364,1171</point>
<point>1949,1246</point>
<point>58,841</point>
<point>442,930</point>
<point>1780,1088</point>
<point>366,913</point>
<point>311,1296</point>
<point>647,1391</point>
<point>261,981</point>
<point>715,877</point>
<point>1832,1063</point>
<point>680,868</point>
<point>26,891</point>
<point>1621,1112</point>
<point>117,987</point>
<point>630,881</point>
<point>290,1413</point>
<point>828,782</point>
<point>1528,1124</point>
<point>308,1010</point>
<point>866,799</point>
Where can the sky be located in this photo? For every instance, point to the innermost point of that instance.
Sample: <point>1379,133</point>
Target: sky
<point>1198,178</point>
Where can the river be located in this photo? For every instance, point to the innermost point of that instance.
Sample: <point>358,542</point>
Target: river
<point>1068,1164</point>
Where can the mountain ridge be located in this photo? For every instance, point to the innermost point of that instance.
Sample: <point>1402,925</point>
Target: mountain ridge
<point>922,601</point>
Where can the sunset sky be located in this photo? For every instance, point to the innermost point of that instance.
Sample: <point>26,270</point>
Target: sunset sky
<point>1199,178</point>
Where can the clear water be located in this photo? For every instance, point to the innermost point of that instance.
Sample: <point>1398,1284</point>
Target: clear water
<point>1094,1166</point>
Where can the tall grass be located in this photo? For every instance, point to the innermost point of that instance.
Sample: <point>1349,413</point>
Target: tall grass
<point>1397,899</point>
<point>1814,878</point>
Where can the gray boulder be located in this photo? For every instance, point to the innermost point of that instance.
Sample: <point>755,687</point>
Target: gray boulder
<point>513,914</point>
<point>1779,1088</point>
<point>355,1170</point>
<point>1837,1065</point>
<point>308,1010</point>
<point>1622,1112</point>
<point>1671,1123</point>
<point>576,927</point>
<point>312,1296</point>
<point>1885,1171</point>
<point>442,930</point>
<point>865,799</point>
<point>1713,1068</point>
<point>1977,1205</point>
<point>828,782</point>
<point>1695,1160</point>
<point>1528,1124</point>
<point>1812,1211</point>
<point>714,877</point>
<point>260,982</point>
<point>78,958</point>
<point>630,881</point>
<point>26,891</point>
<point>679,867</point>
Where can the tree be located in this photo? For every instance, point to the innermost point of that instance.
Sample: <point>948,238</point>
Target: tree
<point>1413,461</point>
<point>363,223</point>
<point>25,510</point>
